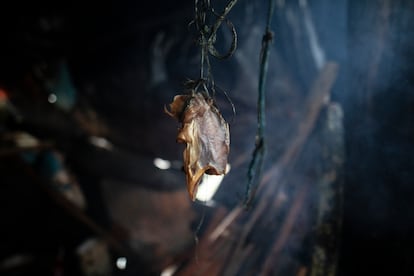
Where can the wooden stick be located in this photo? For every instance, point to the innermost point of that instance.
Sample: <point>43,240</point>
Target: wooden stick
<point>271,260</point>
<point>17,150</point>
<point>318,96</point>
<point>210,255</point>
<point>81,216</point>
<point>225,223</point>
<point>330,200</point>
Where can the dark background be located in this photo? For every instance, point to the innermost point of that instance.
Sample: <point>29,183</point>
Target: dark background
<point>110,49</point>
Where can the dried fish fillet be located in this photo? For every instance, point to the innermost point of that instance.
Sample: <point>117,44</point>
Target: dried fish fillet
<point>206,135</point>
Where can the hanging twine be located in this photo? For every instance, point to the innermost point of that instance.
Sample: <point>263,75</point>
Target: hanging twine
<point>256,164</point>
<point>207,34</point>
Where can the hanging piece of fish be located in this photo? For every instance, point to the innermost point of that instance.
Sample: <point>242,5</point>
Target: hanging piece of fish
<point>206,135</point>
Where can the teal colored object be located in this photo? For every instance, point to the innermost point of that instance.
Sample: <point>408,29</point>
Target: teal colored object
<point>50,164</point>
<point>62,87</point>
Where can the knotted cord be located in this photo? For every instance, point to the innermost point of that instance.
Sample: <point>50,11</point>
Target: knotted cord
<point>207,34</point>
<point>256,164</point>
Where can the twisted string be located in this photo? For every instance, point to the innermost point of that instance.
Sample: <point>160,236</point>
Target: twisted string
<point>256,164</point>
<point>207,34</point>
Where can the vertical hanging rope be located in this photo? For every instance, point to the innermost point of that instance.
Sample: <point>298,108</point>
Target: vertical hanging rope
<point>256,164</point>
